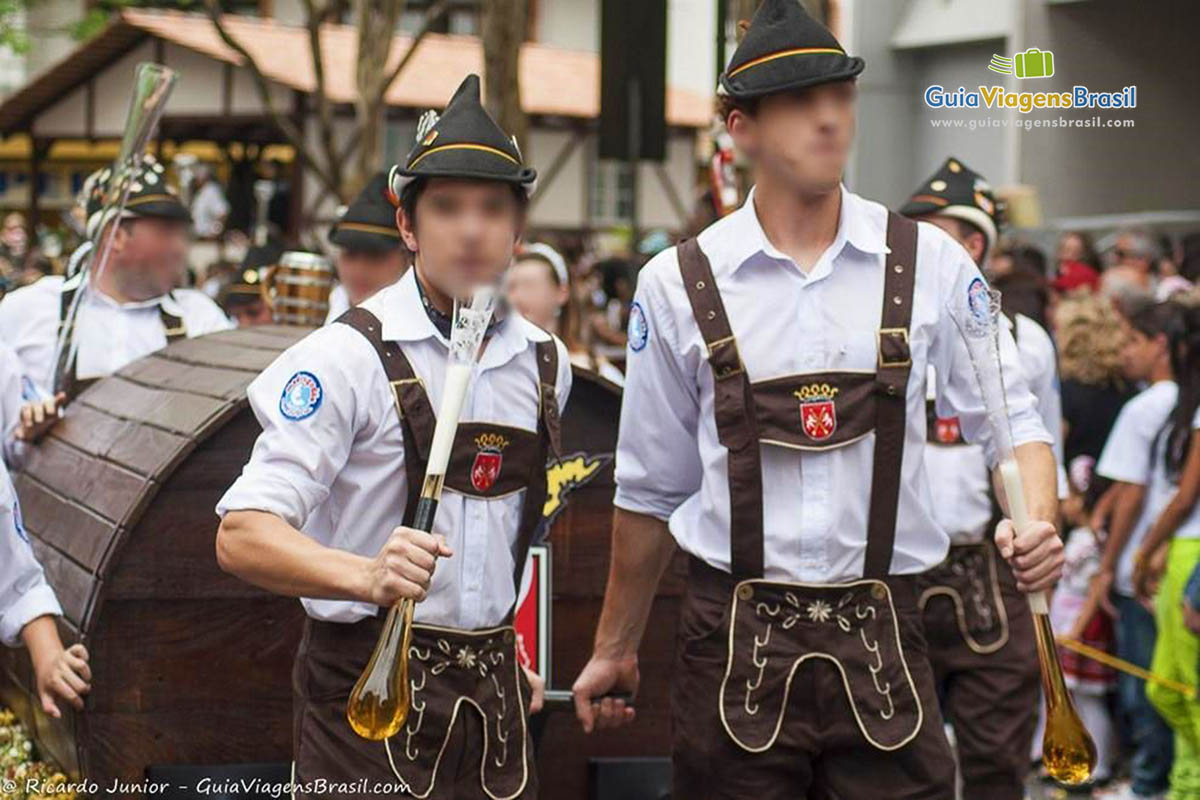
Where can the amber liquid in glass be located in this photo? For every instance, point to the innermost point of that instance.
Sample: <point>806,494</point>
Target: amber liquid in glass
<point>379,703</point>
<point>1067,749</point>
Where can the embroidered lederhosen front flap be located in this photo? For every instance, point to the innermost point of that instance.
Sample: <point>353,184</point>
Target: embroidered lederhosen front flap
<point>490,460</point>
<point>775,627</point>
<point>968,578</point>
<point>454,672</point>
<point>816,410</point>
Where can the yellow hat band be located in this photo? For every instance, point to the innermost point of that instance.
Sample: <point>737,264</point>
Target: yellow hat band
<point>366,227</point>
<point>463,146</point>
<point>800,51</point>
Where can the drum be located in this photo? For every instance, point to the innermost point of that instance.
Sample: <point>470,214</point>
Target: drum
<point>297,288</point>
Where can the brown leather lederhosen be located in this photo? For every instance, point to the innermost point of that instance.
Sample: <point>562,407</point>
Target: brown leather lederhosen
<point>762,644</point>
<point>982,649</point>
<point>466,734</point>
<point>72,386</point>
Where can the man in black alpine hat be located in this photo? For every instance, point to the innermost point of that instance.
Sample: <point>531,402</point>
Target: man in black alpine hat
<point>772,427</point>
<point>322,510</point>
<point>977,623</point>
<point>370,254</point>
<point>134,308</point>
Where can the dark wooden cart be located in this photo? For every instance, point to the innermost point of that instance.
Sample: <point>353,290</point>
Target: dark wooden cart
<point>192,666</point>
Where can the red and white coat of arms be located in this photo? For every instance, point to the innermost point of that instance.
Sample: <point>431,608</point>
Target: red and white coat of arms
<point>818,412</point>
<point>488,461</point>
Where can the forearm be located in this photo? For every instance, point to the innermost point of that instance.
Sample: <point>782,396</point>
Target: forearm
<point>1127,507</point>
<point>41,639</point>
<point>1039,479</point>
<point>642,548</point>
<point>263,549</point>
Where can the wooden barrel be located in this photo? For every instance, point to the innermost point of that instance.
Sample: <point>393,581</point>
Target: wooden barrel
<point>191,665</point>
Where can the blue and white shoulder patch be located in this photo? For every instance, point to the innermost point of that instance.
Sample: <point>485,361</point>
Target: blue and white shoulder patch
<point>639,327</point>
<point>301,397</point>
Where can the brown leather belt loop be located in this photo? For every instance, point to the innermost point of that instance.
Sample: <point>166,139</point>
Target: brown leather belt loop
<point>418,421</point>
<point>891,384</point>
<point>733,403</point>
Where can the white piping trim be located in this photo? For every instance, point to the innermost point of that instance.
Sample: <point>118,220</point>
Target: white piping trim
<point>817,654</point>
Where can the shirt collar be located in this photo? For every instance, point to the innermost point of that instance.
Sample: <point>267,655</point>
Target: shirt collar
<point>103,299</point>
<point>859,225</point>
<point>405,320</point>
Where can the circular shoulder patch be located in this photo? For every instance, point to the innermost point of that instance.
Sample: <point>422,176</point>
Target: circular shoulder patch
<point>301,397</point>
<point>639,328</point>
<point>979,301</point>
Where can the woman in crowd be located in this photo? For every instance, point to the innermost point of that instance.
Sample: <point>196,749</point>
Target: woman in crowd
<point>1171,550</point>
<point>538,285</point>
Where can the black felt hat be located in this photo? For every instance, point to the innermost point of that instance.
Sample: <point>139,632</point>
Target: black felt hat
<point>464,142</point>
<point>785,49</point>
<point>958,191</point>
<point>370,221</point>
<point>149,195</point>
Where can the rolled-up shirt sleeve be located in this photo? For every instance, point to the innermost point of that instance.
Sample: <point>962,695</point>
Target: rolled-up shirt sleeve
<point>959,393</point>
<point>24,593</point>
<point>658,460</point>
<point>308,407</point>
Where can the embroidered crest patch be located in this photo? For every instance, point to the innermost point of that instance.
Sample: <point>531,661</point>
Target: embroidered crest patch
<point>818,413</point>
<point>488,461</point>
<point>639,327</point>
<point>301,397</point>
<point>979,301</point>
<point>947,430</point>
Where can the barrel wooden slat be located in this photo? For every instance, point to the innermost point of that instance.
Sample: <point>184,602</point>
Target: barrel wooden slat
<point>74,585</point>
<point>179,376</point>
<point>258,338</point>
<point>215,354</point>
<point>174,411</point>
<point>108,489</point>
<point>143,449</point>
<point>63,524</point>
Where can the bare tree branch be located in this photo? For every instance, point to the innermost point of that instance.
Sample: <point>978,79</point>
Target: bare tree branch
<point>325,130</point>
<point>293,134</point>
<point>432,14</point>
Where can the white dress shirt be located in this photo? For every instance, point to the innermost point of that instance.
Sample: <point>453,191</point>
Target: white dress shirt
<point>24,593</point>
<point>110,334</point>
<point>338,474</point>
<point>339,303</point>
<point>1135,453</point>
<point>10,402</point>
<point>669,463</point>
<point>959,479</point>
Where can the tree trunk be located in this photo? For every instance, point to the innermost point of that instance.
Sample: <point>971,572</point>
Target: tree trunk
<point>503,31</point>
<point>376,22</point>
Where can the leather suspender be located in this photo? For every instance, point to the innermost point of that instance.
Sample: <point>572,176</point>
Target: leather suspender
<point>734,407</point>
<point>891,385</point>
<point>418,421</point>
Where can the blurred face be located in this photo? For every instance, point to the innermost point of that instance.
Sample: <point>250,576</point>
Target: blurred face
<point>799,138</point>
<point>531,289</point>
<point>365,273</point>
<point>255,312</point>
<point>463,233</point>
<point>1141,354</point>
<point>148,256</point>
<point>974,242</point>
<point>1070,248</point>
<point>1127,256</point>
